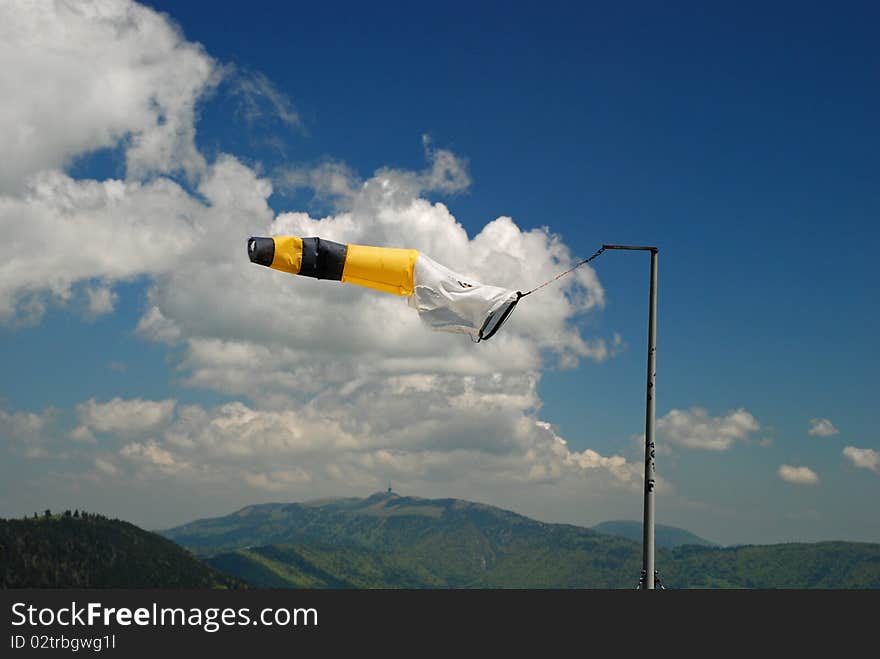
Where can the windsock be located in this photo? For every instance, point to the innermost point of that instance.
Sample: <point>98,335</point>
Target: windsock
<point>446,301</point>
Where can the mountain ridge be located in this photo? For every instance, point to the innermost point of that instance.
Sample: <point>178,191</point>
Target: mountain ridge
<point>390,541</point>
<point>665,536</point>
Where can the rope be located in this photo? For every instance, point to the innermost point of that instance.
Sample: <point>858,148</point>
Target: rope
<point>520,295</point>
<point>562,274</point>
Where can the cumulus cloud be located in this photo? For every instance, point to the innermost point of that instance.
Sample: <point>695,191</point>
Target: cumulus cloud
<point>447,173</point>
<point>192,247</point>
<point>78,77</point>
<point>152,454</point>
<point>155,326</point>
<point>822,428</point>
<point>337,386</point>
<point>28,433</point>
<point>312,317</point>
<point>695,428</point>
<point>112,230</point>
<point>83,434</point>
<point>863,458</point>
<point>330,181</point>
<point>426,433</point>
<point>81,76</point>
<point>336,183</point>
<point>798,475</point>
<point>121,416</point>
<point>101,300</point>
<point>357,436</point>
<point>105,466</point>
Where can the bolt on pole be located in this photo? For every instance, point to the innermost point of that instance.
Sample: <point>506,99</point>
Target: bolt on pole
<point>647,581</point>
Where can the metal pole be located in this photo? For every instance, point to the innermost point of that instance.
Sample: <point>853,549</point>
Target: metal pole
<point>647,581</point>
<point>648,525</point>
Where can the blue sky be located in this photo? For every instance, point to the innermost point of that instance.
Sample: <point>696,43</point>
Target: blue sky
<point>741,140</point>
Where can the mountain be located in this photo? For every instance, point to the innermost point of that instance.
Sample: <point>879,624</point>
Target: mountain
<point>390,541</point>
<point>387,540</point>
<point>92,551</point>
<point>664,536</point>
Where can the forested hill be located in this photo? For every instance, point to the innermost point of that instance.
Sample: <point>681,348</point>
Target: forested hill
<point>664,536</point>
<point>92,551</point>
<point>390,541</point>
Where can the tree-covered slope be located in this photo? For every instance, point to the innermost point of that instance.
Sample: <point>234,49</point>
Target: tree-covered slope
<point>664,536</point>
<point>388,541</point>
<point>95,552</point>
<point>791,565</point>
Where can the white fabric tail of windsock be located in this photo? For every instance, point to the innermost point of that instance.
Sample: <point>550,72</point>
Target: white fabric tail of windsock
<point>450,302</point>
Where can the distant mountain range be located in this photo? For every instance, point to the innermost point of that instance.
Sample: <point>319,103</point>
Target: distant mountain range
<point>664,536</point>
<point>91,551</point>
<point>389,541</point>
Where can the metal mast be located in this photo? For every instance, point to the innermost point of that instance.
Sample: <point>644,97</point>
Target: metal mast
<point>647,580</point>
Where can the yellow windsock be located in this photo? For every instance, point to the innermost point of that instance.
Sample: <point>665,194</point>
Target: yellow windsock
<point>444,299</point>
<point>385,269</point>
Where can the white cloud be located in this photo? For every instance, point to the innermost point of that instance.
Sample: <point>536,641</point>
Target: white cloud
<point>77,77</point>
<point>694,428</point>
<point>150,453</point>
<point>156,327</point>
<point>259,98</point>
<point>80,76</point>
<point>429,429</point>
<point>330,181</point>
<point>106,466</point>
<point>863,458</point>
<point>618,345</point>
<point>347,389</point>
<point>317,329</point>
<point>112,230</point>
<point>194,251</point>
<point>22,424</point>
<point>83,434</point>
<point>448,172</point>
<point>121,416</point>
<point>101,300</point>
<point>822,428</point>
<point>337,183</point>
<point>798,475</point>
<point>28,433</point>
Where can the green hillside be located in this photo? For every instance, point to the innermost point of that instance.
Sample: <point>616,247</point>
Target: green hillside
<point>91,551</point>
<point>792,565</point>
<point>388,541</point>
<point>299,566</point>
<point>664,536</point>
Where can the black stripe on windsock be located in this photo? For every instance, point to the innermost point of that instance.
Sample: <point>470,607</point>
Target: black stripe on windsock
<point>261,250</point>
<point>323,259</point>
